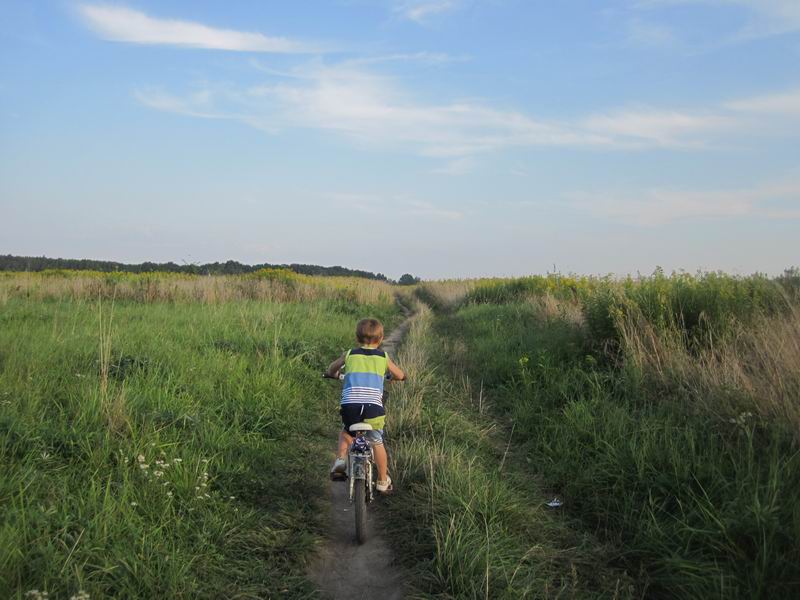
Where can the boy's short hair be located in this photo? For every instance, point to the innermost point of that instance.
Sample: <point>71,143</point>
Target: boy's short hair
<point>369,331</point>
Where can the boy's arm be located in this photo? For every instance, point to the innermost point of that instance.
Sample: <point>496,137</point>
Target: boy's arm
<point>397,372</point>
<point>335,366</point>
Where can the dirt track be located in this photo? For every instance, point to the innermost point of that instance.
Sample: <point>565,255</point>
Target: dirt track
<point>343,568</point>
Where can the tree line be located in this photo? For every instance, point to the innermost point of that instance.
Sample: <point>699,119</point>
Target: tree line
<point>9,262</point>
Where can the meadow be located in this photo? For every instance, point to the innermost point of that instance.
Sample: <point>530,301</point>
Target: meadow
<point>662,410</point>
<point>168,436</point>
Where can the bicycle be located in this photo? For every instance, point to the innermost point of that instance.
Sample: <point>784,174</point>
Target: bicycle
<point>359,472</point>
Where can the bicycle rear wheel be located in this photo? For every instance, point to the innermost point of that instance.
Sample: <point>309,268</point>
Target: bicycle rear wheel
<point>360,501</point>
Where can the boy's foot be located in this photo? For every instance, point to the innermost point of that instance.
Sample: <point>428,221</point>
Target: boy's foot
<point>384,487</point>
<point>339,470</point>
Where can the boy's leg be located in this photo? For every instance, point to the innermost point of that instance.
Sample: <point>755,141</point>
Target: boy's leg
<point>345,440</point>
<point>381,461</point>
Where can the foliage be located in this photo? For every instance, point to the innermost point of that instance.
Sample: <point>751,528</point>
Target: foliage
<point>408,279</point>
<point>231,267</point>
<point>683,447</point>
<point>466,518</point>
<point>153,449</point>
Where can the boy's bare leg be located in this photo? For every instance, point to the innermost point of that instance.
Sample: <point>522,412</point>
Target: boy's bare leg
<point>381,461</point>
<point>344,443</point>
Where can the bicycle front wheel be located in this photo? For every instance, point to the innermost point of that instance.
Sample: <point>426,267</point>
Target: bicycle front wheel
<point>360,501</point>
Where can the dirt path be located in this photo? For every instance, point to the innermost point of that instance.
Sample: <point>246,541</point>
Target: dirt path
<point>343,568</point>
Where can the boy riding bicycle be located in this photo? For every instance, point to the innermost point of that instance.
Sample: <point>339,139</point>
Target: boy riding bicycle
<point>365,369</point>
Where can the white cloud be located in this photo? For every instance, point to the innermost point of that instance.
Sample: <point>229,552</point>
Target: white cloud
<point>459,166</point>
<point>370,109</point>
<point>375,204</point>
<point>352,100</point>
<point>421,11</point>
<point>644,33</point>
<point>121,24</point>
<point>663,206</point>
<point>765,17</point>
<point>785,103</point>
<point>652,127</point>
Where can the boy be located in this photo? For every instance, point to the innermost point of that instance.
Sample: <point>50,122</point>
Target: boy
<point>365,368</point>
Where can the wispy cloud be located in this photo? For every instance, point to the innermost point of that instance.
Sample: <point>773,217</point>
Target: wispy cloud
<point>644,33</point>
<point>375,204</point>
<point>122,24</point>
<point>421,11</point>
<point>371,109</point>
<point>781,104</point>
<point>655,207</point>
<point>764,18</point>
<point>655,127</point>
<point>352,100</point>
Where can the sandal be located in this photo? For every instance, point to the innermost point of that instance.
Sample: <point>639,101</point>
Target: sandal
<point>384,487</point>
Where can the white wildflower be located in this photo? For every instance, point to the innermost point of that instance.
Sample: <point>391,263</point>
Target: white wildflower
<point>140,458</point>
<point>169,494</point>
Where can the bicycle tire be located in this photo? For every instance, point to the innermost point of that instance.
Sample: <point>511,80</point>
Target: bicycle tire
<point>360,502</point>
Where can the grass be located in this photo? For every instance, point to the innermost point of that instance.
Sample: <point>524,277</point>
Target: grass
<point>467,520</point>
<point>165,447</point>
<point>677,445</point>
<point>165,436</point>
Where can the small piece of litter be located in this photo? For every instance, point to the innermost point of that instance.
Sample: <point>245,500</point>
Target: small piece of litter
<point>555,502</point>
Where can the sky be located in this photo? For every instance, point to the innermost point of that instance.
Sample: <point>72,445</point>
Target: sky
<point>445,138</point>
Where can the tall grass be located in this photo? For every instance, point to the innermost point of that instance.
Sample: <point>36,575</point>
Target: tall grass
<point>467,522</point>
<point>751,369</point>
<point>682,448</point>
<point>156,449</point>
<point>268,285</point>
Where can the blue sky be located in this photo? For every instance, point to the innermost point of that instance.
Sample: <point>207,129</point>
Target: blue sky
<point>448,138</point>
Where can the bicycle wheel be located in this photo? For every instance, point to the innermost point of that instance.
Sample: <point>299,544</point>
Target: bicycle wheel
<point>360,501</point>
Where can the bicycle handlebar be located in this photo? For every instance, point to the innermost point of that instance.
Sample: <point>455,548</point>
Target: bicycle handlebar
<point>341,377</point>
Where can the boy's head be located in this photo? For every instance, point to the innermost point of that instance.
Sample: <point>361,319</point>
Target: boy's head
<point>369,331</point>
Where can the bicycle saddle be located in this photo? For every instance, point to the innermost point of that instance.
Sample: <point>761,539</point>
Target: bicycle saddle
<point>360,427</point>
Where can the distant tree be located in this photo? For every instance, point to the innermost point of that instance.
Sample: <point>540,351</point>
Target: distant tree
<point>9,262</point>
<point>408,279</point>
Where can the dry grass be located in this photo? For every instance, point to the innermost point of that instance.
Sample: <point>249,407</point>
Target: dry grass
<point>752,369</point>
<point>150,288</point>
<point>449,293</point>
<point>549,308</point>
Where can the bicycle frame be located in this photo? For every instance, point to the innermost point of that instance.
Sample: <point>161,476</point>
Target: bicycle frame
<point>359,468</point>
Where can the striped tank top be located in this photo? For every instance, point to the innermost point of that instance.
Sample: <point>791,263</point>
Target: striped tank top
<point>364,370</point>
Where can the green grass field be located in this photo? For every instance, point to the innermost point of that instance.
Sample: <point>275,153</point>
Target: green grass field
<point>169,436</point>
<point>165,449</point>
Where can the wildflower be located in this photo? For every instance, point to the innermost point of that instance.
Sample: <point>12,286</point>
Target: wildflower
<point>205,460</point>
<point>158,473</point>
<point>144,466</point>
<point>134,504</point>
<point>140,458</point>
<point>177,460</point>
<point>169,494</point>
<point>232,497</point>
<point>81,595</point>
